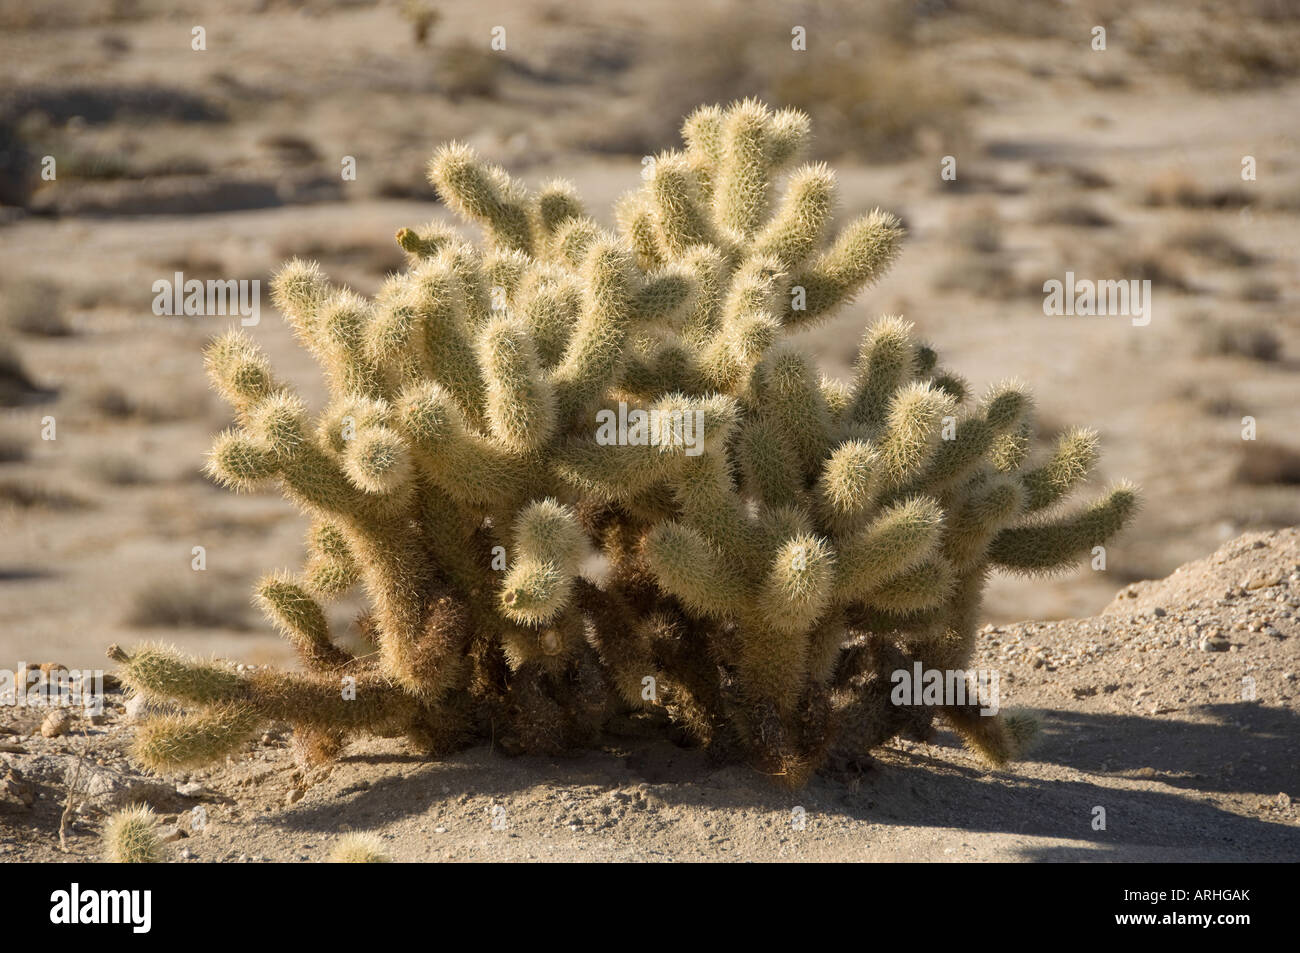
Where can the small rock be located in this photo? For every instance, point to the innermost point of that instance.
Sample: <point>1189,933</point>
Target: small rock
<point>294,796</point>
<point>440,830</point>
<point>113,788</point>
<point>15,793</point>
<point>169,834</point>
<point>56,723</point>
<point>1158,612</point>
<point>1283,799</point>
<point>1214,644</point>
<point>1262,580</point>
<point>191,789</point>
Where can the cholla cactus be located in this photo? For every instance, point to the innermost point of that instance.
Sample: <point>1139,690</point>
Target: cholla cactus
<point>771,544</point>
<point>130,837</point>
<point>359,849</point>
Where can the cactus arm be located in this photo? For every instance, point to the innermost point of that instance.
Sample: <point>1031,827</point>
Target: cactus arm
<point>1053,545</point>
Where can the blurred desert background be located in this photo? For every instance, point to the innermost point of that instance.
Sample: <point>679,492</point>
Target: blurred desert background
<point>1123,163</point>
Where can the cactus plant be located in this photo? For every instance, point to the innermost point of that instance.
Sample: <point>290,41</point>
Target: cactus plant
<point>359,848</point>
<point>130,837</point>
<point>582,473</point>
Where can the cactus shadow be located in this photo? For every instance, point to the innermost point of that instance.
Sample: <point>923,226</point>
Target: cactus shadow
<point>411,785</point>
<point>1240,747</point>
<point>1142,824</point>
<point>1152,776</point>
<point>1087,761</point>
<point>1062,854</point>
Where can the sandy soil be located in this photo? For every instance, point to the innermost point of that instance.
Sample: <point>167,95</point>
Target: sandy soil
<point>1142,715</point>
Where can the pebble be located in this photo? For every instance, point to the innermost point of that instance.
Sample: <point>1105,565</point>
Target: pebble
<point>114,788</point>
<point>56,723</point>
<point>1262,580</point>
<point>191,789</point>
<point>16,794</point>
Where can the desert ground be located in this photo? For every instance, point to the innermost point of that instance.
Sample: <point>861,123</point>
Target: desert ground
<point>1128,161</point>
<point>1143,716</point>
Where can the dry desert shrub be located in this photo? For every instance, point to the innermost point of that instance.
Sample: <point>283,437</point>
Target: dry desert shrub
<point>1213,245</point>
<point>1174,188</point>
<point>1255,340</point>
<point>465,69</point>
<point>199,600</point>
<point>33,306</point>
<point>1072,214</point>
<point>118,470</point>
<point>1267,463</point>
